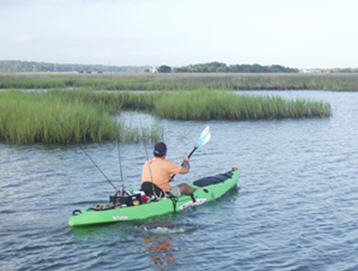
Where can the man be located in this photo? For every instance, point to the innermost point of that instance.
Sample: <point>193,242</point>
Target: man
<point>157,171</point>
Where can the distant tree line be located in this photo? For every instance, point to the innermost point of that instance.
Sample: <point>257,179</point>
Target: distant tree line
<point>341,70</point>
<point>30,66</point>
<point>222,67</point>
<point>214,67</point>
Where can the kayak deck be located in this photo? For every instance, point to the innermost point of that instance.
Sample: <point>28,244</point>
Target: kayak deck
<point>204,193</point>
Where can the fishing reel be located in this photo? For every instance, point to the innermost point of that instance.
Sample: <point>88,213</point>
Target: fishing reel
<point>124,198</point>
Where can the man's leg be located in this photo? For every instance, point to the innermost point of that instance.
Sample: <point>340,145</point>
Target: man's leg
<point>186,189</point>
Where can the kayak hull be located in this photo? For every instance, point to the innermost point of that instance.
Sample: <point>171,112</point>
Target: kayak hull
<point>155,208</point>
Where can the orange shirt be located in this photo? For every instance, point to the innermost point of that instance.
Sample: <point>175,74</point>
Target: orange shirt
<point>158,171</point>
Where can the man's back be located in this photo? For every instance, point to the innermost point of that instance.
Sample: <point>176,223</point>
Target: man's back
<point>158,171</point>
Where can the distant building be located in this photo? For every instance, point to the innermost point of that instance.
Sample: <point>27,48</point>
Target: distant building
<point>311,71</point>
<point>306,71</point>
<point>154,69</point>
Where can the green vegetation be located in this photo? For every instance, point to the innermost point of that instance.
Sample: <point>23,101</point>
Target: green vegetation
<point>164,68</point>
<point>215,105</point>
<point>114,101</point>
<point>336,70</point>
<point>204,105</point>
<point>52,118</point>
<point>105,82</point>
<point>187,81</point>
<point>245,68</point>
<point>77,116</point>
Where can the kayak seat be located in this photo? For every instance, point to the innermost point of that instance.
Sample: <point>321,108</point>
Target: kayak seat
<point>151,189</point>
<point>213,179</point>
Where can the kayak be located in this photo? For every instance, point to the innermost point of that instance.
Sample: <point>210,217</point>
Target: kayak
<point>208,189</point>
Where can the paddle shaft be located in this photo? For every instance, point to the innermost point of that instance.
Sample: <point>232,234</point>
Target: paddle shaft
<point>190,154</point>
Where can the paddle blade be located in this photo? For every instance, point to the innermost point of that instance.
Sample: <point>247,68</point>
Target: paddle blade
<point>204,137</point>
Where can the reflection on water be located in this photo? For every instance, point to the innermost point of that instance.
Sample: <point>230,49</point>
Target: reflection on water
<point>160,251</point>
<point>161,241</point>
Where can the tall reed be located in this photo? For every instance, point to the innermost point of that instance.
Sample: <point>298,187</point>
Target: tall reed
<point>204,105</point>
<point>28,118</point>
<point>76,116</point>
<point>221,105</point>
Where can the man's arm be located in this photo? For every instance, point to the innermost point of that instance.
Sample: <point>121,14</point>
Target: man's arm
<point>185,167</point>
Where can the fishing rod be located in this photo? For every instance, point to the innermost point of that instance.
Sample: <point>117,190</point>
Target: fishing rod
<point>94,163</point>
<point>120,164</point>
<point>119,159</point>
<point>146,152</point>
<point>117,137</point>
<point>149,162</point>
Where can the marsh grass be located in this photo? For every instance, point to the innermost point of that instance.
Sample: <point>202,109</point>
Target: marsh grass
<point>50,118</point>
<point>228,81</point>
<point>203,104</point>
<point>221,105</point>
<point>78,116</point>
<point>113,101</point>
<point>136,83</point>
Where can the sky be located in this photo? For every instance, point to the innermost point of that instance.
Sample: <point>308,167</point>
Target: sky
<point>300,34</point>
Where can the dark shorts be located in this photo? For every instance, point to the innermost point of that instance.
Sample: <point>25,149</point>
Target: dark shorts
<point>150,189</point>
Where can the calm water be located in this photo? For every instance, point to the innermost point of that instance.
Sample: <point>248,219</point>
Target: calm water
<point>296,206</point>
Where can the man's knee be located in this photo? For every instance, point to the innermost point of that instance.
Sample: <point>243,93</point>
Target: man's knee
<point>186,189</point>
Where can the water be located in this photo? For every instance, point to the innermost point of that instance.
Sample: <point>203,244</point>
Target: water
<point>295,207</point>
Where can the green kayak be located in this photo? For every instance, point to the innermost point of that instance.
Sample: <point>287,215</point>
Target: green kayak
<point>208,189</point>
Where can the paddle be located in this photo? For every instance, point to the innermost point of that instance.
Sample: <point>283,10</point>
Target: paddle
<point>203,139</point>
